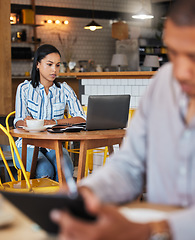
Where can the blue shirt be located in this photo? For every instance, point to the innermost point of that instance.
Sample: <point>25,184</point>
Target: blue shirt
<point>46,106</point>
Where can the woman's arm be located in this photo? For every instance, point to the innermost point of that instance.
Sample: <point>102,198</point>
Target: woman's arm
<point>21,105</point>
<point>71,120</point>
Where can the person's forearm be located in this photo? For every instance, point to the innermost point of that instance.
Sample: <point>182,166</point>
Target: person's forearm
<point>70,120</point>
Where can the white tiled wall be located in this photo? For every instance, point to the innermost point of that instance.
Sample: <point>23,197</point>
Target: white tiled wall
<point>134,87</point>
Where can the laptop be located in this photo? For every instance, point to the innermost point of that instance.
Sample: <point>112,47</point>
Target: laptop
<point>103,112</point>
<point>107,112</point>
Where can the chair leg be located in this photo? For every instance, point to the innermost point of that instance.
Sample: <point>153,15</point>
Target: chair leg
<point>87,164</point>
<point>105,154</point>
<point>90,161</point>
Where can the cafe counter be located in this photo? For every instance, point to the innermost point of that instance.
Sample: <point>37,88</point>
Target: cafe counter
<point>100,83</point>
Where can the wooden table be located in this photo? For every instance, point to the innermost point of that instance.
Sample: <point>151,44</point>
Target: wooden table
<point>87,139</point>
<point>23,228</point>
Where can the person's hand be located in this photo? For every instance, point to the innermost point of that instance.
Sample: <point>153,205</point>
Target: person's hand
<point>110,224</point>
<point>27,118</point>
<point>49,122</point>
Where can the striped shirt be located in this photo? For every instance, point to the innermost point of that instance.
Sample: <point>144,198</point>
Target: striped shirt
<point>46,106</point>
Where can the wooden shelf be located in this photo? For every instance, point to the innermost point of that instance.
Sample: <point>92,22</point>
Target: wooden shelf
<point>26,42</point>
<point>93,75</point>
<point>23,24</point>
<point>21,60</point>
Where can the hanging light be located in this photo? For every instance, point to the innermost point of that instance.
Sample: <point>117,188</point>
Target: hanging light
<point>93,25</point>
<point>143,13</point>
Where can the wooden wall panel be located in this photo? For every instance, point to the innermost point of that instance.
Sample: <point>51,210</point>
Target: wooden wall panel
<point>5,58</point>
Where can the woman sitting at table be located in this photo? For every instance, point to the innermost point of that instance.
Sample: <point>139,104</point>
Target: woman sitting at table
<point>45,98</point>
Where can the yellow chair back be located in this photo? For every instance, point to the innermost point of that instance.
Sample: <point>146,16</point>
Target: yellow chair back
<point>44,185</point>
<point>131,113</point>
<point>19,172</point>
<point>7,120</point>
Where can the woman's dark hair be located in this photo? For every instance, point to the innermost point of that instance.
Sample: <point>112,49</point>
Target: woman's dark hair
<point>41,53</point>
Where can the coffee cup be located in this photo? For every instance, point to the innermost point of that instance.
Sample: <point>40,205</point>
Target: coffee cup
<point>35,123</point>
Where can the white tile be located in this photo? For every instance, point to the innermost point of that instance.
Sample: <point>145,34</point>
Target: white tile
<point>145,81</point>
<point>117,81</point>
<point>106,90</point>
<point>97,81</point>
<point>90,81</point>
<point>87,90</point>
<point>103,82</point>
<point>110,82</point>
<point>113,90</point>
<point>142,90</point>
<point>94,90</point>
<point>133,102</point>
<point>138,81</point>
<point>123,81</point>
<point>116,147</point>
<point>121,90</point>
<point>100,90</point>
<point>84,81</point>
<point>135,90</point>
<point>84,99</point>
<point>128,90</point>
<point>131,81</point>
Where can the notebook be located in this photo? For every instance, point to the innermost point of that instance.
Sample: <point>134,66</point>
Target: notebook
<point>103,112</point>
<point>107,112</point>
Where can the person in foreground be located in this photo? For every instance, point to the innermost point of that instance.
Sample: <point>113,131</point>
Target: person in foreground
<point>159,147</point>
<point>45,98</point>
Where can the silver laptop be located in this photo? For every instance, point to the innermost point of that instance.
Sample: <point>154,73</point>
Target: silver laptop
<point>107,112</point>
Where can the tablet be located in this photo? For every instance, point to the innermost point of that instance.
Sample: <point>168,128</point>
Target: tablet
<point>38,207</point>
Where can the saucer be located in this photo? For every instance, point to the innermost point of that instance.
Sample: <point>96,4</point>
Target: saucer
<point>141,215</point>
<point>40,129</point>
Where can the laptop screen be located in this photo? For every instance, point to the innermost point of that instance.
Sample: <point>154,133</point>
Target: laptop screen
<point>107,112</point>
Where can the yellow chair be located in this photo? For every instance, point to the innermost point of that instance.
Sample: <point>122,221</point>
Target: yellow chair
<point>131,113</point>
<point>7,120</point>
<point>19,172</point>
<point>90,152</point>
<point>43,185</point>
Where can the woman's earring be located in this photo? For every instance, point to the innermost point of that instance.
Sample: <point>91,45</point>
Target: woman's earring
<point>37,69</point>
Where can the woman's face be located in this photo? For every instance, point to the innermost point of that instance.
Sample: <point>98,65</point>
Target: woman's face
<point>49,68</point>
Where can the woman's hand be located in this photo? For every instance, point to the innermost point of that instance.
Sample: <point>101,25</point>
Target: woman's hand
<point>23,122</point>
<point>49,122</point>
